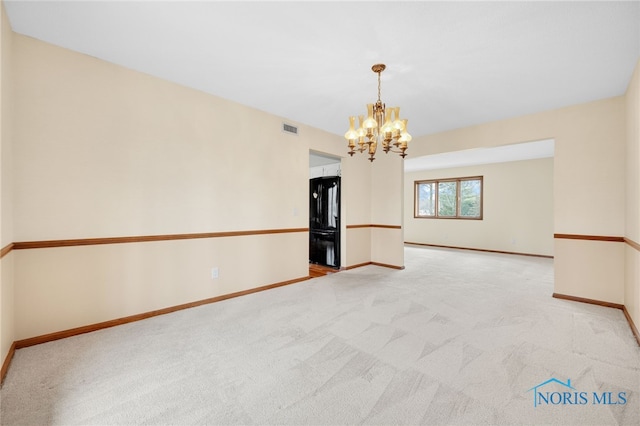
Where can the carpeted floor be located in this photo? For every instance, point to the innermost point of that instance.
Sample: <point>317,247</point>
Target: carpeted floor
<point>458,337</point>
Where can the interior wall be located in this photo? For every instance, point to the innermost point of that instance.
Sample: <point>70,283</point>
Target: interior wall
<point>632,213</point>
<point>7,330</point>
<point>67,287</point>
<point>117,153</point>
<point>6,155</point>
<point>517,209</point>
<point>589,182</point>
<point>374,213</point>
<point>356,185</point>
<point>387,235</point>
<point>103,151</point>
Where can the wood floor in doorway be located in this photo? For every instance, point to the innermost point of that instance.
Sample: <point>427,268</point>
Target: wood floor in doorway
<point>319,270</point>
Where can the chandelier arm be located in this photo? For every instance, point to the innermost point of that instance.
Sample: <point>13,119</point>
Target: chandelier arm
<point>394,151</point>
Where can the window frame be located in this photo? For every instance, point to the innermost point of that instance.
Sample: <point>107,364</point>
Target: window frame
<point>436,182</point>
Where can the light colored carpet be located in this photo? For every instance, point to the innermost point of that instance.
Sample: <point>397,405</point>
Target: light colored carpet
<point>458,337</point>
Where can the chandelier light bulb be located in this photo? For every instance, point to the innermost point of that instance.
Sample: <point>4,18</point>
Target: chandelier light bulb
<point>405,137</point>
<point>361,132</point>
<point>351,134</point>
<point>370,122</point>
<point>398,124</point>
<point>387,127</point>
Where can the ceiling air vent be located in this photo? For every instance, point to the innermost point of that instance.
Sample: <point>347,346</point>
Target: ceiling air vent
<point>288,128</point>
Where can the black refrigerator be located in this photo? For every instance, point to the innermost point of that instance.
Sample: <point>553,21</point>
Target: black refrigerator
<point>324,221</point>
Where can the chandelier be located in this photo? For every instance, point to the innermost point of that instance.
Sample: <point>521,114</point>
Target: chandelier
<point>380,127</point>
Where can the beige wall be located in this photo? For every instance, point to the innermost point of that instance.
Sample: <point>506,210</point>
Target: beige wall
<point>375,199</point>
<point>357,189</point>
<point>102,151</point>
<point>117,153</point>
<point>387,178</point>
<point>632,230</point>
<point>589,182</point>
<point>517,209</point>
<point>590,269</point>
<point>6,86</point>
<point>7,330</point>
<point>589,149</point>
<point>67,287</point>
<point>358,243</point>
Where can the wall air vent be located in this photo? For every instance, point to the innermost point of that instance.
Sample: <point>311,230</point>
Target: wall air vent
<point>288,128</point>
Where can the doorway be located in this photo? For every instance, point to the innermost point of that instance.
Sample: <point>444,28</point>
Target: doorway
<point>324,210</point>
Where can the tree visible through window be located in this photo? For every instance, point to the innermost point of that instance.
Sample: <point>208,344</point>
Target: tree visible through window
<point>458,198</point>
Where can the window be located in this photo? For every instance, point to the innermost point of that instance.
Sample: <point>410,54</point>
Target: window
<point>458,198</point>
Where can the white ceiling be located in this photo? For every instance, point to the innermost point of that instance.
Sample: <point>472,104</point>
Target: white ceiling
<point>449,64</point>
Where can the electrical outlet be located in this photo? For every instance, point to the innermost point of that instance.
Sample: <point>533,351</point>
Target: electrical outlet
<point>215,273</point>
